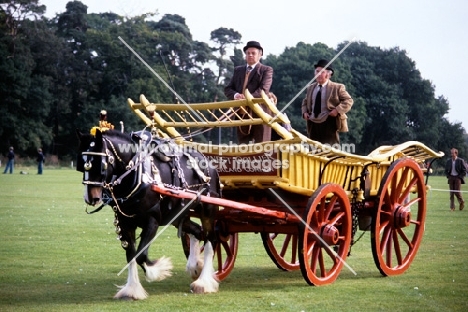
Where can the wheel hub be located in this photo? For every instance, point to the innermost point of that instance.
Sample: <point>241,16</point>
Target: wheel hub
<point>401,217</point>
<point>330,234</point>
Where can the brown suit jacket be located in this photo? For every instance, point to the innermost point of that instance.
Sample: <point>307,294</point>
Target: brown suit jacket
<point>459,167</point>
<point>260,78</point>
<point>337,98</point>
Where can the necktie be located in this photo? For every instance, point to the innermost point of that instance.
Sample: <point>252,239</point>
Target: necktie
<point>247,73</point>
<point>318,102</point>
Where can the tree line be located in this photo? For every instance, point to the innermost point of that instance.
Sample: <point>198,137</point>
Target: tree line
<point>59,73</point>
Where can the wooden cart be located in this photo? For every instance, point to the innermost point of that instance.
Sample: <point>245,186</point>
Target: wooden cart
<point>307,200</point>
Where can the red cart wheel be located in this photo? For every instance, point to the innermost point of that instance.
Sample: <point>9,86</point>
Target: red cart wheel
<point>325,237</point>
<point>282,249</point>
<point>225,253</point>
<point>398,224</point>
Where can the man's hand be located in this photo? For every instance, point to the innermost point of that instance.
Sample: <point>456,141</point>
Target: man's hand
<point>333,113</point>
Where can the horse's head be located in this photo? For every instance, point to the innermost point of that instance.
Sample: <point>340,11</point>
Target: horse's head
<point>100,160</point>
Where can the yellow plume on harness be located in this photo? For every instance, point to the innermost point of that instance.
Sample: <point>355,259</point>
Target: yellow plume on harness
<point>103,126</point>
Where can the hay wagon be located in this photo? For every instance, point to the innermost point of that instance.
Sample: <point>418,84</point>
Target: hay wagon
<point>307,200</point>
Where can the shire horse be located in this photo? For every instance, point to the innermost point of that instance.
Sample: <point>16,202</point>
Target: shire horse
<point>119,169</point>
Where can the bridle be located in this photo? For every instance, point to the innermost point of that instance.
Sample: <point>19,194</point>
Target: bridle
<point>108,158</point>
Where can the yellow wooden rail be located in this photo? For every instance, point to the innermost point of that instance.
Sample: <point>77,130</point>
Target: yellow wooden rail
<point>306,159</point>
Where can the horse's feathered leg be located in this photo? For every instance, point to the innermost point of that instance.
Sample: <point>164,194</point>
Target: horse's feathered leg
<point>194,262</point>
<point>158,270</point>
<point>206,283</point>
<point>133,289</point>
<point>154,270</point>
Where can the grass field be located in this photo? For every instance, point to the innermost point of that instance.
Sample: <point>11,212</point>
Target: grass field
<point>55,257</point>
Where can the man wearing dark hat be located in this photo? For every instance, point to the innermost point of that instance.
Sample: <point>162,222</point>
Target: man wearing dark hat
<point>325,106</point>
<point>255,77</point>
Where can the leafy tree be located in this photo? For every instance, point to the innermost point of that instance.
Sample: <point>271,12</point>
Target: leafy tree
<point>25,84</point>
<point>58,74</point>
<point>224,38</point>
<point>399,104</point>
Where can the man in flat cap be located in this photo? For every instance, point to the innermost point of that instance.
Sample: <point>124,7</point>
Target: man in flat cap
<point>255,77</point>
<point>325,106</point>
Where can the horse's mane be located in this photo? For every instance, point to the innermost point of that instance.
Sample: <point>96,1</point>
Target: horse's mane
<point>118,134</point>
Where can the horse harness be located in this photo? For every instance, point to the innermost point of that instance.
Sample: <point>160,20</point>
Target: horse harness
<point>143,165</point>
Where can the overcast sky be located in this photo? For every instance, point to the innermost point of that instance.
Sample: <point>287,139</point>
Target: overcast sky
<point>433,33</point>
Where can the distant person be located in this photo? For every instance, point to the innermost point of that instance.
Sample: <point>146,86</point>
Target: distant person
<point>325,106</point>
<point>103,123</point>
<point>11,161</point>
<point>455,170</point>
<point>40,161</point>
<point>255,77</point>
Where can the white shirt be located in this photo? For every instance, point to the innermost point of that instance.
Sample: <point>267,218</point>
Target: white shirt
<point>454,171</point>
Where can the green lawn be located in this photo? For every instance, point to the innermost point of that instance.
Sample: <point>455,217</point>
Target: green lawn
<point>55,257</point>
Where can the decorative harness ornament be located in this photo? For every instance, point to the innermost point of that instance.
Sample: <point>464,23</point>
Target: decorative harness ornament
<point>143,165</point>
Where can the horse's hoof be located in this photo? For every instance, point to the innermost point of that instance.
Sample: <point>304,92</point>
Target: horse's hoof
<point>126,298</point>
<point>197,289</point>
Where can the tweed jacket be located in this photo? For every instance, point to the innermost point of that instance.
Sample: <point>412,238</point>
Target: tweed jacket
<point>337,98</point>
<point>459,167</point>
<point>260,78</point>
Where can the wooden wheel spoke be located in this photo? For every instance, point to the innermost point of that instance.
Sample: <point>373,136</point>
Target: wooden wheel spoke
<point>314,258</point>
<point>388,202</point>
<point>311,248</point>
<point>330,207</point>
<point>282,249</point>
<point>339,216</point>
<point>323,270</point>
<point>329,213</point>
<point>388,248</point>
<point>384,221</point>
<point>286,242</point>
<point>399,221</point>
<point>405,238</point>
<point>405,194</point>
<point>321,210</point>
<point>411,202</point>
<point>219,256</point>
<point>315,220</point>
<point>386,236</point>
<point>400,182</point>
<point>393,188</point>
<point>226,248</point>
<point>294,250</point>
<point>397,249</point>
<point>330,253</point>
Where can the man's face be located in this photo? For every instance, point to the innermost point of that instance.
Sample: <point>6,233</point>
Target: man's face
<point>252,55</point>
<point>323,76</point>
<point>453,154</point>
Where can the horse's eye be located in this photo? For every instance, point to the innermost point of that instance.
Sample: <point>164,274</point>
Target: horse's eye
<point>104,166</point>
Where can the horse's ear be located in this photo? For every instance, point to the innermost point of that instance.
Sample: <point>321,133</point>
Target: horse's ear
<point>98,134</point>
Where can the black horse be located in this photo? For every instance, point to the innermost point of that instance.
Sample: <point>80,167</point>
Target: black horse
<point>119,169</point>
